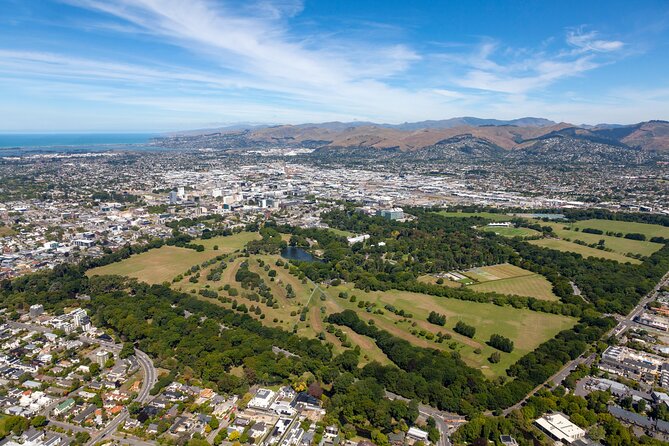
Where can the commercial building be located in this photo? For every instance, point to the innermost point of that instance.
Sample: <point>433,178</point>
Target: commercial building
<point>653,321</point>
<point>559,428</point>
<point>631,363</point>
<point>391,214</point>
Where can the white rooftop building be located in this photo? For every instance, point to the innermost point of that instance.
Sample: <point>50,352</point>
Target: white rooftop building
<point>559,428</point>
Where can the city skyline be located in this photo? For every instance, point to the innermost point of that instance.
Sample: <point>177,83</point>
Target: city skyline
<point>84,65</point>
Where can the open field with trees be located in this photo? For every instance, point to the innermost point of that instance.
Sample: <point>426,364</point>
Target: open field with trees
<point>620,245</point>
<point>526,328</point>
<point>6,231</point>
<point>164,263</point>
<point>626,227</point>
<point>585,251</point>
<point>432,280</point>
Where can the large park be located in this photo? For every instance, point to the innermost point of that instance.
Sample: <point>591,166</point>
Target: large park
<point>281,292</point>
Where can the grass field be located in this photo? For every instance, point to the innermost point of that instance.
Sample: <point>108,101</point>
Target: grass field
<point>341,232</point>
<point>625,227</point>
<point>496,272</point>
<point>163,264</point>
<point>618,244</point>
<point>585,251</point>
<point>511,232</point>
<point>433,281</point>
<point>488,215</point>
<point>155,266</point>
<point>229,243</point>
<point>526,328</point>
<point>533,285</point>
<point>511,280</point>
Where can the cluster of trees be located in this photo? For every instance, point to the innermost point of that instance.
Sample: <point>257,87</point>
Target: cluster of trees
<point>436,318</point>
<point>465,329</point>
<point>501,343</point>
<point>271,242</point>
<point>120,197</point>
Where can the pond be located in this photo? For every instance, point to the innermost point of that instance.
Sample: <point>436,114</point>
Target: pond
<point>295,253</point>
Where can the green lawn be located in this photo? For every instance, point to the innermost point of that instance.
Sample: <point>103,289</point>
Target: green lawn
<point>511,232</point>
<point>489,215</point>
<point>625,227</point>
<point>229,243</point>
<point>155,266</point>
<point>585,251</point>
<point>163,264</point>
<point>511,280</point>
<point>341,232</point>
<point>533,285</point>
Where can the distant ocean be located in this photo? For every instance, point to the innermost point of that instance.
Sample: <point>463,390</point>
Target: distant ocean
<point>12,144</point>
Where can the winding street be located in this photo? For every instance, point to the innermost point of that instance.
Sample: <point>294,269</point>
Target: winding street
<point>144,396</point>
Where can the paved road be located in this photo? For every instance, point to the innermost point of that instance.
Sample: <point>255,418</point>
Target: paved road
<point>144,396</point>
<point>623,324</point>
<point>440,417</point>
<point>150,376</point>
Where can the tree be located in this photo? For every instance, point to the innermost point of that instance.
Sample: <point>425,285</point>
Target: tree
<point>127,350</point>
<point>501,343</point>
<point>436,318</point>
<point>495,357</point>
<point>39,421</point>
<point>315,390</point>
<point>465,329</point>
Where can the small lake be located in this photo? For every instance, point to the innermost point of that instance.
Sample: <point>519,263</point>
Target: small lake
<point>295,253</point>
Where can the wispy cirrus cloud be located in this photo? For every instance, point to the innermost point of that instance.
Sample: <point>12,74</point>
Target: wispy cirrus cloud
<point>251,56</point>
<point>590,42</point>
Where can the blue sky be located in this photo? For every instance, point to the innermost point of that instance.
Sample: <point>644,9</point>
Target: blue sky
<point>155,65</point>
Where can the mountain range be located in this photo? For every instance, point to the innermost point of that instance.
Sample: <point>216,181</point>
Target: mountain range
<point>488,137</point>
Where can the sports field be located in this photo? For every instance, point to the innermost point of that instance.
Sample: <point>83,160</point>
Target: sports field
<point>533,285</point>
<point>511,280</point>
<point>511,232</point>
<point>496,272</point>
<point>163,264</point>
<point>625,227</point>
<point>585,251</point>
<point>488,215</point>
